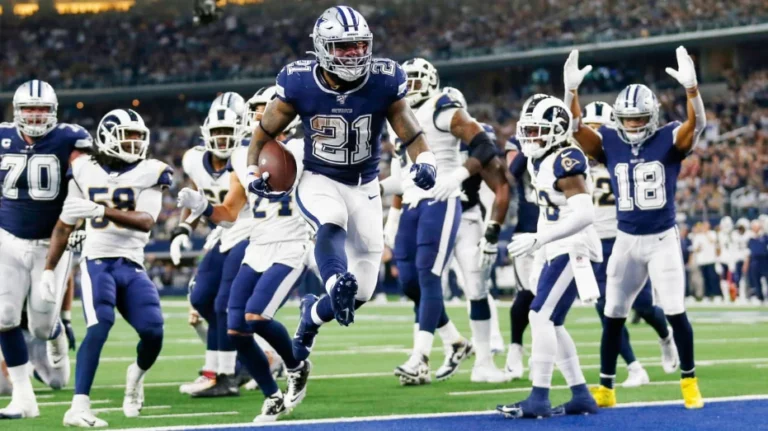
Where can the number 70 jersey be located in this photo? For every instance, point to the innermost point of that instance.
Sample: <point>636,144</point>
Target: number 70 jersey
<point>342,129</point>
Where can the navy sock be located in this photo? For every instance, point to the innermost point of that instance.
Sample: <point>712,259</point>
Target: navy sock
<point>654,316</point>
<point>539,394</point>
<point>580,391</point>
<point>610,344</point>
<point>255,361</point>
<point>479,309</point>
<point>149,347</point>
<point>329,250</point>
<point>223,343</point>
<point>212,336</point>
<point>325,309</point>
<point>14,347</point>
<point>88,355</point>
<point>277,336</point>
<point>431,306</point>
<point>518,315</point>
<point>683,333</point>
<point>626,351</point>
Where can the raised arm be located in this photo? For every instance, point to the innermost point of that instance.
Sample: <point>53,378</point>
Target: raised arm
<point>688,134</point>
<point>589,140</point>
<point>407,128</point>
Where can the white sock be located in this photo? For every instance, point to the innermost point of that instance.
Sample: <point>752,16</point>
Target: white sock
<point>81,402</point>
<point>495,327</point>
<point>329,284</point>
<point>634,366</point>
<point>543,350</point>
<point>481,334</point>
<point>141,372</point>
<point>449,334</point>
<point>316,317</point>
<point>227,362</point>
<point>415,331</point>
<point>568,358</point>
<point>211,361</point>
<point>19,377</point>
<point>423,343</point>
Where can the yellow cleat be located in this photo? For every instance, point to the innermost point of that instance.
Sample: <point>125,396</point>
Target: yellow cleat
<point>603,396</point>
<point>691,394</point>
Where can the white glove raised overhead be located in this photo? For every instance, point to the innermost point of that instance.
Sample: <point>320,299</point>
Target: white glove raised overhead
<point>450,184</point>
<point>686,71</point>
<point>48,286</point>
<point>572,75</point>
<point>77,208</point>
<point>194,200</point>
<point>522,244</point>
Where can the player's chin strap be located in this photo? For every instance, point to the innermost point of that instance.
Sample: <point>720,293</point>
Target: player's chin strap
<point>582,215</point>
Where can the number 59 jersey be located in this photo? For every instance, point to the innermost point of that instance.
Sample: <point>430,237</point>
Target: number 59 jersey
<point>342,129</point>
<point>273,220</point>
<point>132,189</point>
<point>562,162</point>
<point>33,180</point>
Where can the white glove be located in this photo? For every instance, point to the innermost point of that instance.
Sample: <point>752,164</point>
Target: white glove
<point>194,317</point>
<point>686,72</point>
<point>488,253</point>
<point>75,240</point>
<point>522,244</point>
<point>390,227</point>
<point>195,200</point>
<point>77,208</point>
<point>213,238</point>
<point>48,286</point>
<point>572,75</point>
<point>181,242</point>
<point>448,185</point>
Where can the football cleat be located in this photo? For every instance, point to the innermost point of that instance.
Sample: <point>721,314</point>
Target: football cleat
<point>273,407</point>
<point>242,377</point>
<point>488,373</point>
<point>579,405</point>
<point>20,409</point>
<point>514,365</point>
<point>669,359</point>
<point>278,372</point>
<point>460,352</point>
<point>415,371</point>
<point>134,392</point>
<point>297,384</point>
<point>207,379</point>
<point>526,409</point>
<point>604,397</point>
<point>637,376</point>
<point>304,338</point>
<point>691,393</point>
<point>83,419</point>
<point>343,295</point>
<point>57,351</point>
<point>224,386</point>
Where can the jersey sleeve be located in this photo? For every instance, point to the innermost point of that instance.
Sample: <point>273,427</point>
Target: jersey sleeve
<point>186,160</point>
<point>400,83</point>
<point>150,201</point>
<point>82,140</point>
<point>73,192</point>
<point>164,176</point>
<point>286,83</point>
<point>445,107</point>
<point>512,144</point>
<point>570,162</point>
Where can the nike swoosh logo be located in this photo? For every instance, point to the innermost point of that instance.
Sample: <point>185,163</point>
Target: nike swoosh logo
<point>661,238</point>
<point>138,270</point>
<point>56,362</point>
<point>90,423</point>
<point>432,202</point>
<point>373,197</point>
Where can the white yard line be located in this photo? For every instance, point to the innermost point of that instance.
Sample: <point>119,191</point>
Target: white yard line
<point>66,403</point>
<point>120,409</point>
<point>188,415</point>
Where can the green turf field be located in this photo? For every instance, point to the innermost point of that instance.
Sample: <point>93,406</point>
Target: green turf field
<point>353,369</point>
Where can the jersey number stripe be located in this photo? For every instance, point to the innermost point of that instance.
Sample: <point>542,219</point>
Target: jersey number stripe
<point>649,191</point>
<point>43,176</point>
<point>331,134</point>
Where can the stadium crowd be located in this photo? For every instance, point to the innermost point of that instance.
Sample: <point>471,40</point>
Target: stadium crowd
<point>156,43</point>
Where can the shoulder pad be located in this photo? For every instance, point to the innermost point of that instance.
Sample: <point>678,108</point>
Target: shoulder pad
<point>569,161</point>
<point>82,139</point>
<point>456,95</point>
<point>512,144</point>
<point>446,101</point>
<point>158,173</point>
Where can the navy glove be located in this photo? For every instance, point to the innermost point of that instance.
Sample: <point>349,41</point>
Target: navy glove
<point>70,334</point>
<point>423,175</point>
<point>259,185</point>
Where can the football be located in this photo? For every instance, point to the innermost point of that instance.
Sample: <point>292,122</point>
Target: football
<point>281,165</point>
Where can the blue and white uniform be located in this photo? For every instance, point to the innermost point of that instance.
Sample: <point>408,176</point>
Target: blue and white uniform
<point>527,212</point>
<point>34,188</point>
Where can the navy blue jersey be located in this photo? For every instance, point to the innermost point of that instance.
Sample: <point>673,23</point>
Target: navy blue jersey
<point>644,179</point>
<point>342,129</point>
<point>527,212</point>
<point>758,249</point>
<point>34,178</point>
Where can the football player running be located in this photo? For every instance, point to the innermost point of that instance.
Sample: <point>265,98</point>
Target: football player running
<point>30,205</point>
<point>274,261</point>
<point>343,98</point>
<point>596,115</point>
<point>206,166</point>
<point>119,192</point>
<point>644,160</point>
<point>567,242</point>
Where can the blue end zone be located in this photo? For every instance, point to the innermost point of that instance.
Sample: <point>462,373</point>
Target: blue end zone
<point>714,416</point>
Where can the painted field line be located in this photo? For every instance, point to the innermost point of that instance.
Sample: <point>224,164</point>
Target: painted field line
<point>528,389</point>
<point>66,403</point>
<point>120,409</point>
<point>188,415</point>
<point>39,397</point>
<point>756,397</point>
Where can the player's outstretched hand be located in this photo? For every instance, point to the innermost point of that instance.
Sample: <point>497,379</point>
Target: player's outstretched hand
<point>180,241</point>
<point>686,72</point>
<point>423,175</point>
<point>259,185</point>
<point>445,186</point>
<point>48,287</point>
<point>522,244</point>
<point>194,200</point>
<point>82,208</point>
<point>572,75</point>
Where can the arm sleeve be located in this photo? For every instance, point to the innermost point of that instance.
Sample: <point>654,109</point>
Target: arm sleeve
<point>83,139</point>
<point>582,216</point>
<point>150,201</point>
<point>166,177</point>
<point>568,163</point>
<point>519,166</point>
<point>74,192</point>
<point>445,108</point>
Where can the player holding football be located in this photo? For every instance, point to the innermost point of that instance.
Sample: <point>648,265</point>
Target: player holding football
<point>119,194</point>
<point>343,98</point>
<point>643,160</point>
<point>36,152</point>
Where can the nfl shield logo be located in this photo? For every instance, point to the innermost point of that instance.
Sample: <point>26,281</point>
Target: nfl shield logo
<point>341,98</point>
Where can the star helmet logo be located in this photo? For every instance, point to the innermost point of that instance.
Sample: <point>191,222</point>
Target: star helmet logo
<point>341,99</point>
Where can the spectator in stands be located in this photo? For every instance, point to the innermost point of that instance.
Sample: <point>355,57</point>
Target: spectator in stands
<point>756,264</point>
<point>704,250</point>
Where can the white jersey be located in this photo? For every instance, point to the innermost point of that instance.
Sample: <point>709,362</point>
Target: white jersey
<point>273,221</point>
<point>215,185</point>
<point>545,172</point>
<point>741,245</point>
<point>604,200</point>
<point>727,248</point>
<point>136,189</point>
<point>434,117</point>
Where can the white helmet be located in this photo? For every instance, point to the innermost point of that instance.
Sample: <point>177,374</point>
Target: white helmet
<point>252,115</point>
<point>230,100</point>
<point>726,224</point>
<point>423,81</point>
<point>218,119</point>
<point>599,113</point>
<point>635,101</point>
<point>112,135</point>
<point>342,27</point>
<point>544,122</point>
<point>743,223</point>
<point>34,94</point>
